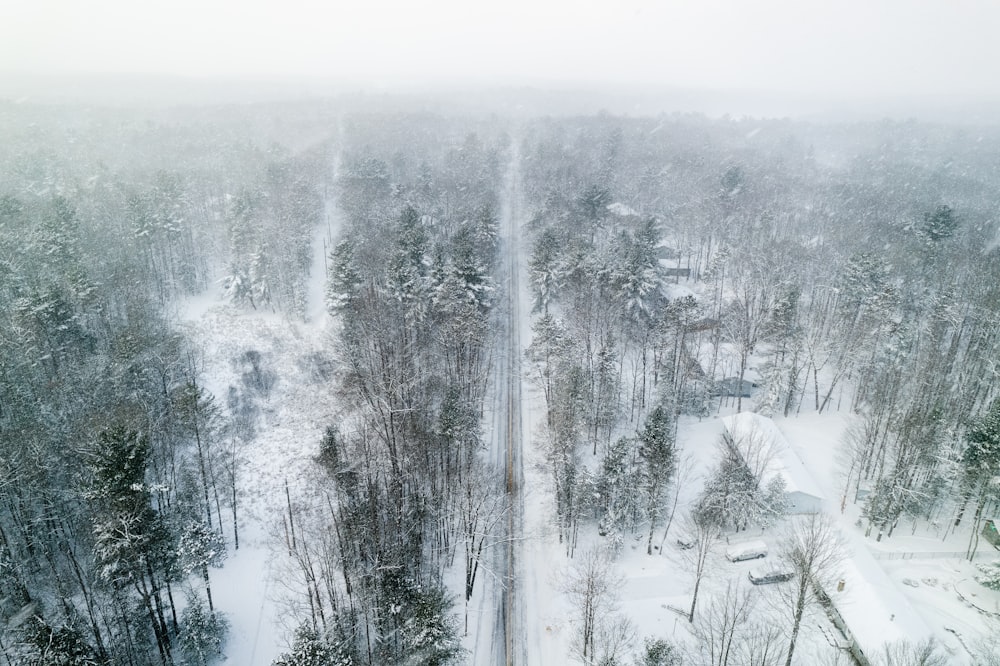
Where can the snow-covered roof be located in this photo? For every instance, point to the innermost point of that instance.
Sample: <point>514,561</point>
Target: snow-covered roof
<point>759,442</point>
<point>620,209</point>
<point>676,291</point>
<point>874,610</point>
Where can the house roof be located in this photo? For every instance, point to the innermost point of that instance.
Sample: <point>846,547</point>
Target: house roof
<point>873,608</point>
<point>761,444</point>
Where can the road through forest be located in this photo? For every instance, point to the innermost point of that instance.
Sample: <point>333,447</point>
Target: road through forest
<point>508,644</point>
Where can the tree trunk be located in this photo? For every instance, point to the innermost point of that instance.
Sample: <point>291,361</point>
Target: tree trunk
<point>208,587</point>
<point>204,472</point>
<point>694,598</point>
<point>236,525</point>
<point>800,605</point>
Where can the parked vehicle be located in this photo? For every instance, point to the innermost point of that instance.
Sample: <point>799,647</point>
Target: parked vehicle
<point>772,573</point>
<point>748,550</point>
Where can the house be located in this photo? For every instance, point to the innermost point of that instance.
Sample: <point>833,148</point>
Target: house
<point>869,610</point>
<point>734,387</point>
<point>764,449</point>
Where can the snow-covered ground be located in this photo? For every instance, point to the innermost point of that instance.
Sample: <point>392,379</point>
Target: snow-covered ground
<point>904,586</point>
<point>886,597</point>
<point>913,598</point>
<point>292,421</point>
<point>247,589</point>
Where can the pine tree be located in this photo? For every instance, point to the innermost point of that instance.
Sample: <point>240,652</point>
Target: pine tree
<point>545,269</point>
<point>132,544</point>
<point>203,633</point>
<point>199,548</point>
<point>345,280</point>
<point>616,483</point>
<point>659,652</point>
<point>309,649</point>
<point>660,461</point>
<point>940,224</point>
<point>48,645</point>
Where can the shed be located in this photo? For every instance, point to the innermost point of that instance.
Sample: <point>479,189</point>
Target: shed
<point>764,449</point>
<point>990,532</point>
<point>734,387</point>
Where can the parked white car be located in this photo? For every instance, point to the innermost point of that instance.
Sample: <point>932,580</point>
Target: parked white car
<point>748,550</point>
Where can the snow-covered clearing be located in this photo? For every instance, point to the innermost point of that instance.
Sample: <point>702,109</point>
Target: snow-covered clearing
<point>291,422</point>
<point>292,417</point>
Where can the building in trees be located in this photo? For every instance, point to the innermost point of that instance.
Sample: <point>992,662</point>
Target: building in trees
<point>870,610</point>
<point>734,387</point>
<point>756,440</point>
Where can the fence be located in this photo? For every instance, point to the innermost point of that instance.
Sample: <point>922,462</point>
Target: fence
<point>933,555</point>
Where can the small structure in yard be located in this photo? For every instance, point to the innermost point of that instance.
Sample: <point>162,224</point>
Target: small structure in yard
<point>990,532</point>
<point>677,272</point>
<point>734,387</point>
<point>758,442</point>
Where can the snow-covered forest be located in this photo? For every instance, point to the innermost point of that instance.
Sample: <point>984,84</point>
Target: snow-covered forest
<point>319,383</point>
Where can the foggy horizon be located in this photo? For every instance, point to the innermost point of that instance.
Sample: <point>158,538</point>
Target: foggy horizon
<point>880,58</point>
<point>517,98</point>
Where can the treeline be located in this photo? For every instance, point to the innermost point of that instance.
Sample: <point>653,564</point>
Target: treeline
<point>117,468</point>
<point>407,491</point>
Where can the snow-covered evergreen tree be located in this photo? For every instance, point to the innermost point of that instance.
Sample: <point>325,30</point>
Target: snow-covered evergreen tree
<point>989,575</point>
<point>345,280</point>
<point>659,457</point>
<point>773,503</point>
<point>309,649</point>
<point>615,486</point>
<point>202,633</point>
<point>199,548</point>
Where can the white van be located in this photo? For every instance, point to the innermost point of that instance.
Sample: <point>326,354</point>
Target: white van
<point>748,550</point>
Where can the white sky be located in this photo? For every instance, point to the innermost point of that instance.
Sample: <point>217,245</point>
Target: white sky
<point>827,46</point>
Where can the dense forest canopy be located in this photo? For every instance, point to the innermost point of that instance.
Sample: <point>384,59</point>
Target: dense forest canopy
<point>841,267</point>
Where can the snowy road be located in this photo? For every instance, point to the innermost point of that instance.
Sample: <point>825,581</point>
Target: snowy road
<point>508,644</point>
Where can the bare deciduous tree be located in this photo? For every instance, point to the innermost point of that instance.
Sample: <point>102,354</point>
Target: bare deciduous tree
<point>685,470</point>
<point>482,509</point>
<point>904,653</point>
<point>615,638</point>
<point>705,534</point>
<point>986,651</point>
<point>813,548</point>
<point>592,587</point>
<point>727,633</point>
